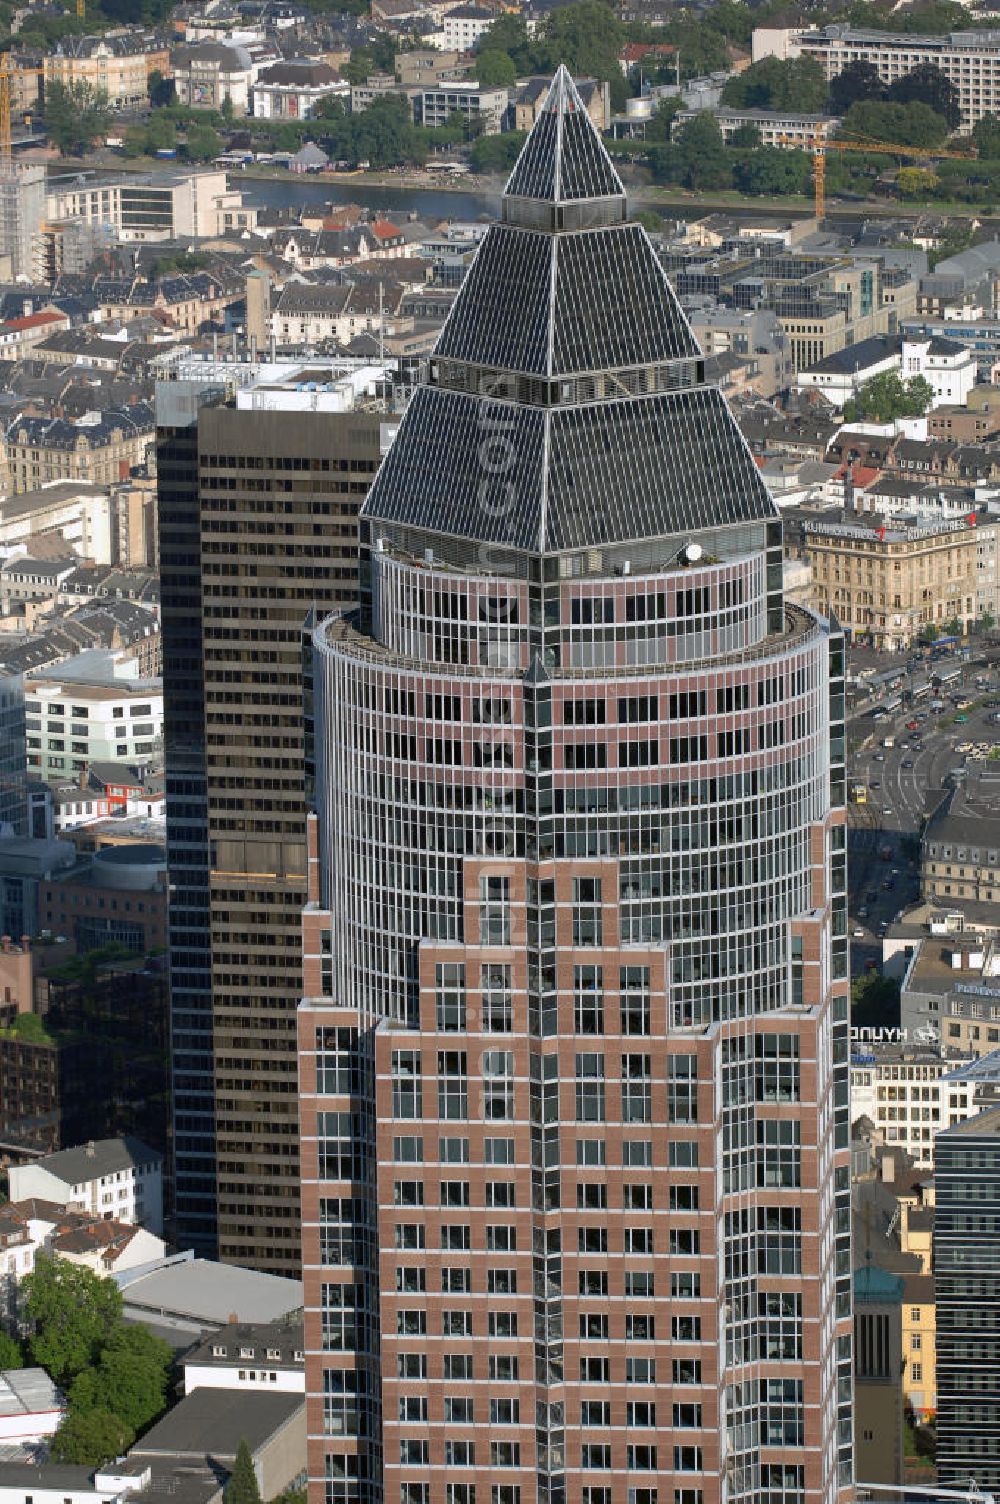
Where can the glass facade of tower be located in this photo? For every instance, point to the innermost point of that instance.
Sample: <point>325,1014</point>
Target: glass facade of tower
<point>573,1051</point>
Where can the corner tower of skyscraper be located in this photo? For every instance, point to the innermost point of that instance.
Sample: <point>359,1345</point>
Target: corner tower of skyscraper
<point>573,1049</point>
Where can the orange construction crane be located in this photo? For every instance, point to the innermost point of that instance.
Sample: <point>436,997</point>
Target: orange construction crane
<point>819,146</point>
<point>6,74</point>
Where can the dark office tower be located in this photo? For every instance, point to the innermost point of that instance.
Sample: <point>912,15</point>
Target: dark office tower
<point>259,509</point>
<point>573,1045</point>
<point>967,1296</point>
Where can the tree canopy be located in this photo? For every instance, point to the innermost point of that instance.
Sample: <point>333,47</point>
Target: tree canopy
<point>130,1379</point>
<point>117,1376</point>
<point>913,124</point>
<point>887,397</point>
<point>495,69</point>
<point>76,116</point>
<point>71,1310</point>
<point>773,84</point>
<point>986,136</point>
<point>928,86</point>
<point>774,170</point>
<point>698,154</point>
<point>90,1438</point>
<point>11,1355</point>
<point>858,81</point>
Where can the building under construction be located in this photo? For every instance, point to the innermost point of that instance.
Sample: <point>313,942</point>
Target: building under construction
<point>22,212</point>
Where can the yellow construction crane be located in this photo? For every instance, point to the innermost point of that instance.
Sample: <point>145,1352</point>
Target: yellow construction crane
<point>81,9</point>
<point>6,74</point>
<point>820,146</point>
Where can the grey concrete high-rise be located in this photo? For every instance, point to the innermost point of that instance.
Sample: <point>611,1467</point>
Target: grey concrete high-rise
<point>967,1297</point>
<point>259,494</point>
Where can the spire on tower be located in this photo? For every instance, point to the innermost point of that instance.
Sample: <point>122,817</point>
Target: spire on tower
<point>564,160</point>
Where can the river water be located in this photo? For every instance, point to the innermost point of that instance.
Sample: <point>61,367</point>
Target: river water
<point>428,204</point>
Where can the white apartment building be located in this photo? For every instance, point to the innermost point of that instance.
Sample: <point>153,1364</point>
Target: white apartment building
<point>776,127</point>
<point>970,59</point>
<point>112,1178</point>
<point>249,1356</point>
<point>167,205</point>
<point>462,27</point>
<point>947,366</point>
<point>436,105</point>
<point>291,90</point>
<point>91,709</point>
<point>909,1095</point>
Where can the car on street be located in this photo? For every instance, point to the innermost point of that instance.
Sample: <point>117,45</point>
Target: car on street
<point>907,762</point>
<point>874,783</point>
<point>859,934</point>
<point>962,719</point>
<point>879,757</point>
<point>913,725</point>
<point>964,747</point>
<point>887,883</point>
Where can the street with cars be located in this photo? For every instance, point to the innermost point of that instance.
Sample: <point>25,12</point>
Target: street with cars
<point>904,760</point>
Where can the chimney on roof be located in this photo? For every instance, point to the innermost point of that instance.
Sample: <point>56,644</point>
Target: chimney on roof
<point>25,942</point>
<point>6,943</point>
<point>91,1148</point>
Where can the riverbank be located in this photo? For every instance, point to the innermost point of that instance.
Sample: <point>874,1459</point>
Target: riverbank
<point>474,196</point>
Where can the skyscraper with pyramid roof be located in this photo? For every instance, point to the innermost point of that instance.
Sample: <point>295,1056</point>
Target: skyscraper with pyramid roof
<point>574,1046</point>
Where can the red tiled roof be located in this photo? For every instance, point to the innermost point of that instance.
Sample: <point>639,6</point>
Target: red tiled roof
<point>384,229</point>
<point>634,52</point>
<point>31,321</point>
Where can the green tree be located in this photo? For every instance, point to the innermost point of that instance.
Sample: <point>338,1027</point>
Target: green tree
<point>661,125</point>
<point>954,628</point>
<point>89,1438</point>
<point>384,135</point>
<point>745,138</point>
<point>509,34</point>
<point>774,170</point>
<point>986,136</point>
<point>733,19</point>
<point>242,1486</point>
<point>913,124</point>
<point>496,153</point>
<point>161,90</point>
<point>875,1001</point>
<point>495,69</point>
<point>700,159</point>
<point>11,1355</point>
<point>772,84</point>
<point>987,621</point>
<point>71,1311</point>
<point>928,86</point>
<point>588,37</point>
<point>702,49</point>
<point>916,182</point>
<point>858,81</point>
<point>887,397</point>
<point>76,116</point>
<point>650,220</point>
<point>929,632</point>
<point>226,109</point>
<point>130,1380</point>
<point>202,143</point>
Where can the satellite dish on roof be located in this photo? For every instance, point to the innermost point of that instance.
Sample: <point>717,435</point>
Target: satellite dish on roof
<point>691,553</point>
